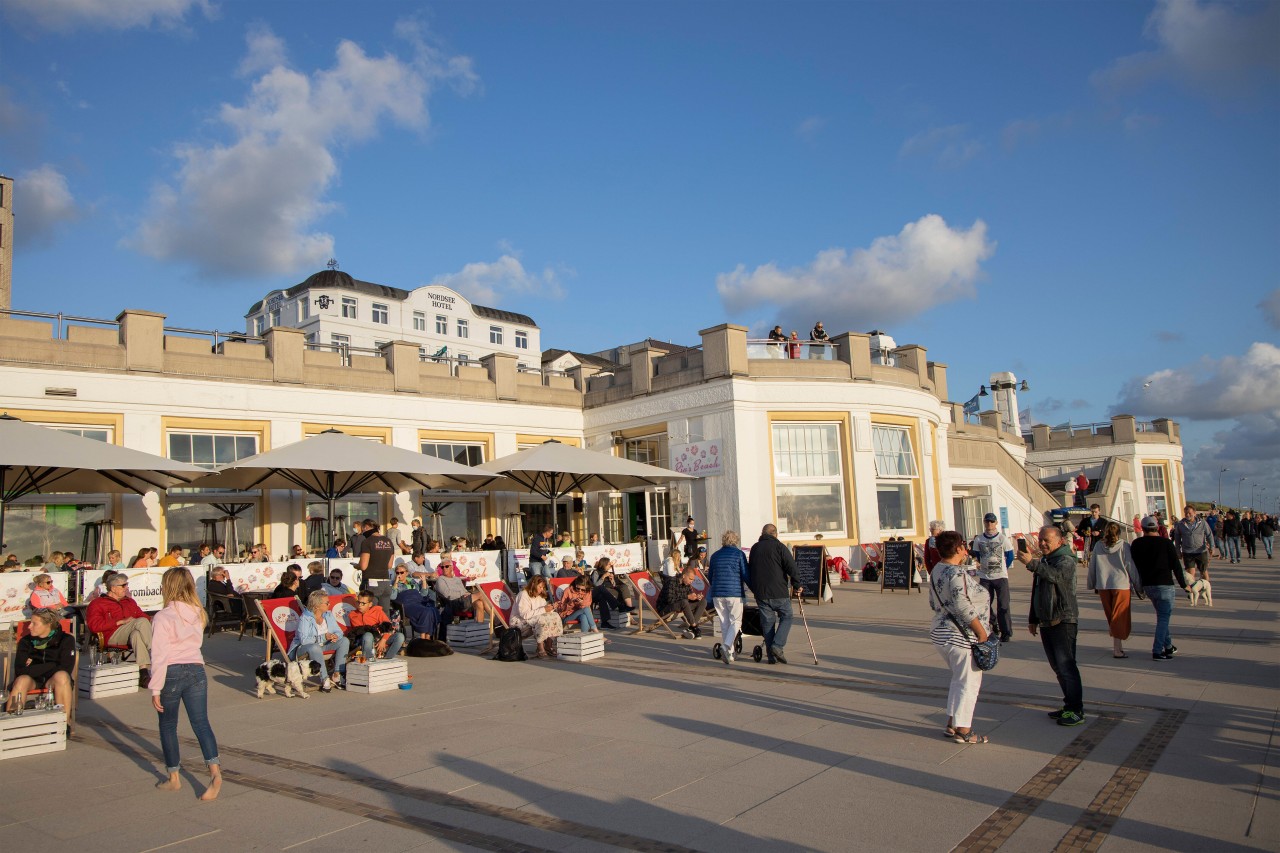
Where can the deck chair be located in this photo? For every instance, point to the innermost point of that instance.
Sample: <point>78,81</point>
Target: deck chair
<point>22,629</point>
<point>224,612</point>
<point>500,599</point>
<point>280,615</point>
<point>648,589</point>
<point>702,585</point>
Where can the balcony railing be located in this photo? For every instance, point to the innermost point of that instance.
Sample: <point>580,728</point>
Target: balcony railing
<point>813,350</point>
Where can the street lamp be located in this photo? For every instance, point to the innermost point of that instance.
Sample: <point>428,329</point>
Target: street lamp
<point>1239,486</point>
<point>1220,473</point>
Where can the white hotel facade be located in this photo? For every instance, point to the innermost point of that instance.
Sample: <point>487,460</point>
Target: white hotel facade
<point>847,448</point>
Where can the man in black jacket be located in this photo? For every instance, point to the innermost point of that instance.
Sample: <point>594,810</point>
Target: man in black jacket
<point>1156,560</point>
<point>773,572</point>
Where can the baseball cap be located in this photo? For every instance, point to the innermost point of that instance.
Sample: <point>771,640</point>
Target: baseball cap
<point>991,516</point>
<point>1149,523</point>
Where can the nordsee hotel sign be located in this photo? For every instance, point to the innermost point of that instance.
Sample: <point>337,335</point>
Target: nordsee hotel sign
<point>701,458</point>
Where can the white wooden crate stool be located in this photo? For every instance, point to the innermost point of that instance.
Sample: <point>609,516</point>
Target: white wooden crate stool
<point>469,634</point>
<point>376,676</point>
<point>580,648</point>
<point>33,732</point>
<point>106,679</point>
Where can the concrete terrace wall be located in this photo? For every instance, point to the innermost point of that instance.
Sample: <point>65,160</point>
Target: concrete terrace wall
<point>139,344</point>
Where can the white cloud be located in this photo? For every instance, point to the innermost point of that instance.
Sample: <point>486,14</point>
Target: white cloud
<point>67,15</point>
<point>1023,131</point>
<point>810,127</point>
<point>1270,308</point>
<point>1210,389</point>
<point>1217,47</point>
<point>947,146</point>
<point>490,283</point>
<point>925,264</point>
<point>248,206</point>
<point>42,202</point>
<point>266,50</point>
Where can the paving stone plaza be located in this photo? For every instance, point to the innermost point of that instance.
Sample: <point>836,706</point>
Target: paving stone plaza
<point>658,747</point>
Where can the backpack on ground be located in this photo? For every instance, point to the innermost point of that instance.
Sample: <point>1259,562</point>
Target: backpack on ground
<point>511,646</point>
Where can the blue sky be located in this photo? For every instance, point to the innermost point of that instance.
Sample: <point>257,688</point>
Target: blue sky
<point>1085,194</point>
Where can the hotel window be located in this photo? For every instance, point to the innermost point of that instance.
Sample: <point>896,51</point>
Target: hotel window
<point>419,321</point>
<point>463,358</point>
<point>304,308</point>
<point>96,433</point>
<point>260,325</point>
<point>464,329</point>
<point>442,324</point>
<point>381,314</point>
<point>211,450</point>
<point>348,308</point>
<point>522,340</point>
<point>1153,481</point>
<point>275,318</point>
<point>422,353</point>
<point>340,340</point>
<point>896,476</point>
<point>495,335</point>
<point>808,478</point>
<point>463,453</point>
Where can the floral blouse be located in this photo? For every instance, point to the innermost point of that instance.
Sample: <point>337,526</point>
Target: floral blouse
<point>953,590</point>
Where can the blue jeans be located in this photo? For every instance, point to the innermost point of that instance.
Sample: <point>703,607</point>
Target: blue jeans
<point>537,567</point>
<point>315,651</point>
<point>1059,643</point>
<point>1162,599</point>
<point>185,683</point>
<point>1266,543</point>
<point>1233,548</point>
<point>393,645</point>
<point>775,621</point>
<point>586,619</point>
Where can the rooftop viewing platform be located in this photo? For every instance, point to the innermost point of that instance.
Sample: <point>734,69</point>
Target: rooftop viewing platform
<point>138,341</point>
<point>1122,429</point>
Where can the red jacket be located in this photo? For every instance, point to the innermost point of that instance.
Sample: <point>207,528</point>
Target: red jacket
<point>372,618</point>
<point>104,612</point>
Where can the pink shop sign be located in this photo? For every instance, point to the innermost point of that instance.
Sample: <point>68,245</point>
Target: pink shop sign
<point>701,458</point>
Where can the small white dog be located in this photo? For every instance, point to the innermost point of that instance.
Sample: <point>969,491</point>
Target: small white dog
<point>1200,591</point>
<point>292,676</point>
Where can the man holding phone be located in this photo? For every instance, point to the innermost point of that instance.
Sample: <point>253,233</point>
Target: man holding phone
<point>994,555</point>
<point>1054,616</point>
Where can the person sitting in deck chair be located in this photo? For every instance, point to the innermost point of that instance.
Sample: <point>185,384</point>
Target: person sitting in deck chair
<point>677,596</point>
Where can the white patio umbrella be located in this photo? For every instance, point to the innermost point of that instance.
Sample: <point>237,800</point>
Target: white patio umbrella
<point>333,465</point>
<point>553,470</point>
<point>36,459</point>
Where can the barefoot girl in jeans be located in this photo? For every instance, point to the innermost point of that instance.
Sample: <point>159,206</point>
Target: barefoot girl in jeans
<point>177,676</point>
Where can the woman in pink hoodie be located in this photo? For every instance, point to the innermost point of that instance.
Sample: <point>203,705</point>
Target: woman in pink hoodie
<point>177,676</point>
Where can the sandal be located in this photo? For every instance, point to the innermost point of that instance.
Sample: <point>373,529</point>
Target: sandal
<point>970,738</point>
<point>948,733</point>
<point>1119,656</point>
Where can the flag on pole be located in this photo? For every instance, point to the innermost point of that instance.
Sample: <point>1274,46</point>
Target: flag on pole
<point>971,406</point>
<point>441,353</point>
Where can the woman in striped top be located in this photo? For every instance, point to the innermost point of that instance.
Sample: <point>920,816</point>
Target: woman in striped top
<point>955,594</point>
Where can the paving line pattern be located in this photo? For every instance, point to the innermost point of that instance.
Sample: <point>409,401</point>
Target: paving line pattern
<point>993,832</point>
<point>1096,823</point>
<point>548,823</point>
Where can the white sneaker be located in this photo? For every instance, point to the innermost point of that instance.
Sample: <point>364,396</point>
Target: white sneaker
<point>327,686</point>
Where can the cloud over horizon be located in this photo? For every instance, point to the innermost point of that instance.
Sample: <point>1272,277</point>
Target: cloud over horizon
<point>42,203</point>
<point>64,16</point>
<point>927,263</point>
<point>490,283</point>
<point>248,205</point>
<point>1209,389</point>
<point>1219,48</point>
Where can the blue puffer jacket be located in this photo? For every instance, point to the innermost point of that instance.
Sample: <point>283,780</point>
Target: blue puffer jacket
<point>727,574</point>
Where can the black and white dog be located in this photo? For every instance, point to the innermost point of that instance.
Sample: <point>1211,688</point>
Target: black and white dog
<point>292,676</point>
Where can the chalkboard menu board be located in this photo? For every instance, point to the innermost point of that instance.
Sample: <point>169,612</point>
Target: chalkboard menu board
<point>811,568</point>
<point>899,568</point>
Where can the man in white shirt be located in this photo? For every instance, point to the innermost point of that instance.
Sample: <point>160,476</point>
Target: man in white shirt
<point>994,555</point>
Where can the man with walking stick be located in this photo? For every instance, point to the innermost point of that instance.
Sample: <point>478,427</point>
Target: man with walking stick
<point>773,573</point>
